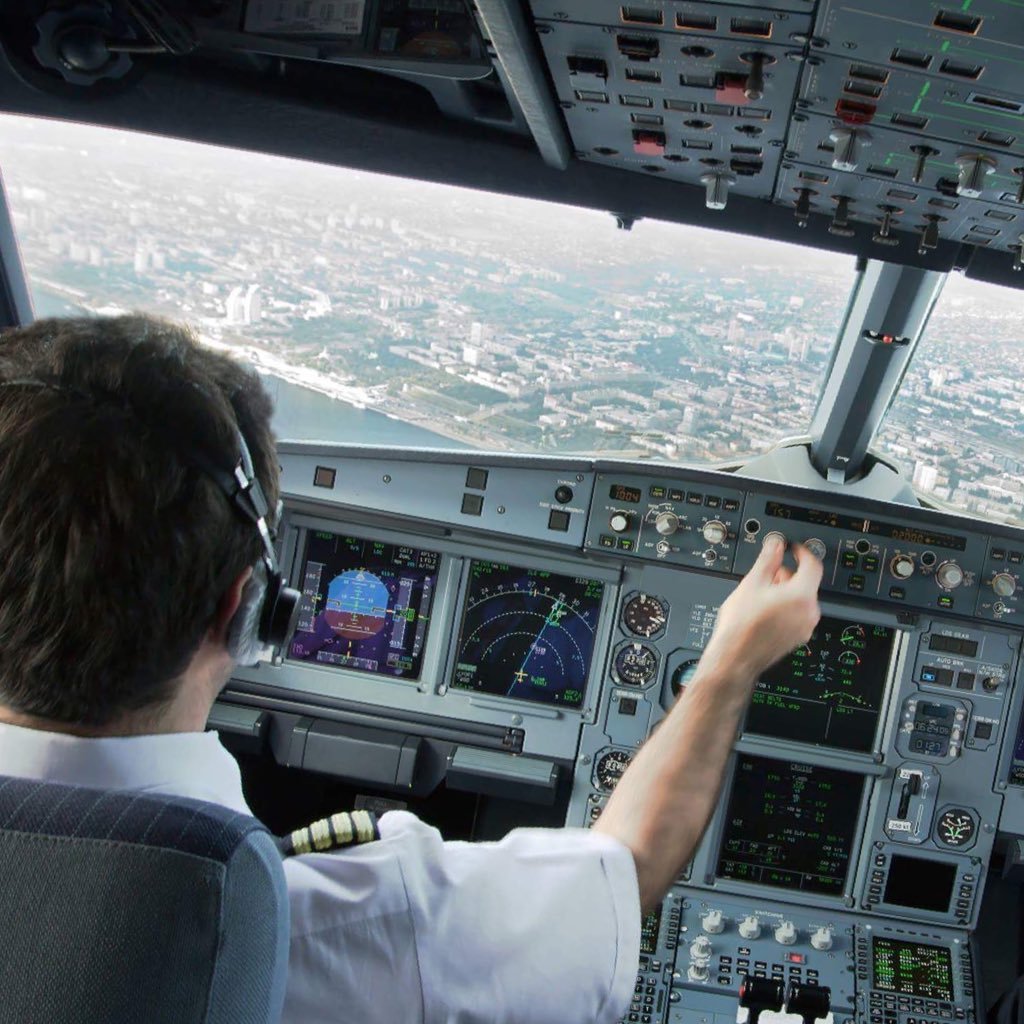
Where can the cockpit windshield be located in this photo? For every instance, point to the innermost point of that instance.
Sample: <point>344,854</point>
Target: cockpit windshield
<point>387,310</point>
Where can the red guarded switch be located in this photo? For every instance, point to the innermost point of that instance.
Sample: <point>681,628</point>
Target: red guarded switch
<point>649,143</point>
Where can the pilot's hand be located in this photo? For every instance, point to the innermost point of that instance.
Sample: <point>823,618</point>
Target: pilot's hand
<point>770,613</point>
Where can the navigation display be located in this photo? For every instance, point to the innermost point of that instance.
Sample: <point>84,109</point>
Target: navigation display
<point>527,634</point>
<point>828,691</point>
<point>365,605</point>
<point>913,969</point>
<point>790,825</point>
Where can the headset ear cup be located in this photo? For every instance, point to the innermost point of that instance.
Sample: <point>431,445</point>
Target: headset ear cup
<point>244,644</point>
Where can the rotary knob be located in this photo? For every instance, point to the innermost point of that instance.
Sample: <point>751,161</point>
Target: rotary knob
<point>697,972</point>
<point>822,938</point>
<point>715,532</point>
<point>786,933</point>
<point>902,567</point>
<point>774,534</point>
<point>700,948</point>
<point>949,575</point>
<point>666,523</point>
<point>1004,584</point>
<point>816,548</point>
<point>619,522</point>
<point>713,922</point>
<point>750,927</point>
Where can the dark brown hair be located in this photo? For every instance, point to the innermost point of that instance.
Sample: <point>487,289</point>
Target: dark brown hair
<point>115,548</point>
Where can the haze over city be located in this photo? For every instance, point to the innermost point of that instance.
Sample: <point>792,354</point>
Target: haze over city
<point>503,323</point>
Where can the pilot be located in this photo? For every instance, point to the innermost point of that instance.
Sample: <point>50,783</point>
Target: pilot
<point>122,573</point>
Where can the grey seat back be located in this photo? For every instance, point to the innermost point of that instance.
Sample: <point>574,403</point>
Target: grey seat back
<point>119,906</point>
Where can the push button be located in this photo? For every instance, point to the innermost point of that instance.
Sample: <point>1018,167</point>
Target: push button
<point>472,504</point>
<point>558,520</point>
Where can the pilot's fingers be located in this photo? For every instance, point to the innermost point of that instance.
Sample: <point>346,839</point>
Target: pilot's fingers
<point>810,568</point>
<point>783,575</point>
<point>769,561</point>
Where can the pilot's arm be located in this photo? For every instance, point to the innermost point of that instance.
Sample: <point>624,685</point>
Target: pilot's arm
<point>545,925</point>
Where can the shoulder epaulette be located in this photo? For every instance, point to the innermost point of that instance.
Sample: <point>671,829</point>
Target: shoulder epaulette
<point>346,828</point>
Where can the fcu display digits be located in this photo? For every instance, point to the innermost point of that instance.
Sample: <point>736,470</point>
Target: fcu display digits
<point>790,825</point>
<point>527,634</point>
<point>365,605</point>
<point>828,691</point>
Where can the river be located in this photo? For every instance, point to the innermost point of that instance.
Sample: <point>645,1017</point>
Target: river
<point>299,413</point>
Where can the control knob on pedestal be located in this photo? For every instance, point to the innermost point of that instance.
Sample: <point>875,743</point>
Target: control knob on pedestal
<point>786,933</point>
<point>700,948</point>
<point>1004,584</point>
<point>902,567</point>
<point>697,972</point>
<point>750,927</point>
<point>822,938</point>
<point>949,575</point>
<point>619,521</point>
<point>666,523</point>
<point>713,922</point>
<point>774,534</point>
<point>715,532</point>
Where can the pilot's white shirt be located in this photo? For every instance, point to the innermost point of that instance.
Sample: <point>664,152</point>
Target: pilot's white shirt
<point>543,926</point>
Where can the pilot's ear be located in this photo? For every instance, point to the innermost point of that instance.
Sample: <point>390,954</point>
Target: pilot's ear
<point>226,608</point>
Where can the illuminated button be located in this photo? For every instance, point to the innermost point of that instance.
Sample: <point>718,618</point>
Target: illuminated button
<point>694,498</point>
<point>870,563</point>
<point>713,501</point>
<point>606,541</point>
<point>849,560</point>
<point>657,492</point>
<point>625,544</point>
<point>897,593</point>
<point>1015,557</point>
<point>855,582</point>
<point>730,505</point>
<point>998,555</point>
<point>945,601</point>
<point>676,495</point>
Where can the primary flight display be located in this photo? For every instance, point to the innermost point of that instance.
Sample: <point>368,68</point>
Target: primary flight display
<point>527,634</point>
<point>365,604</point>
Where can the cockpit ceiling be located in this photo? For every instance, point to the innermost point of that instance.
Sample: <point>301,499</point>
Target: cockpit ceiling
<point>894,131</point>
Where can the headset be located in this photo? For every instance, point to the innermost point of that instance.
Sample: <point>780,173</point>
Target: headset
<point>268,608</point>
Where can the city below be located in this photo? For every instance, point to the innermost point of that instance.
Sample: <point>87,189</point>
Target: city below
<point>501,323</point>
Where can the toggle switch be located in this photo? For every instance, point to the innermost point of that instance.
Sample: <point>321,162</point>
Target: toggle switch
<point>803,206</point>
<point>847,143</point>
<point>841,218</point>
<point>974,168</point>
<point>716,189</point>
<point>923,154</point>
<point>883,236</point>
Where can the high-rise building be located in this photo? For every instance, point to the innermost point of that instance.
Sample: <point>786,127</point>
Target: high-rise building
<point>925,476</point>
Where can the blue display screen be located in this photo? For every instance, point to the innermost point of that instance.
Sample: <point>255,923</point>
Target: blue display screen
<point>527,634</point>
<point>365,605</point>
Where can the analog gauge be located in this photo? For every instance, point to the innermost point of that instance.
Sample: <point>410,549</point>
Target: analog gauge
<point>852,635</point>
<point>955,827</point>
<point>635,664</point>
<point>645,615</point>
<point>609,768</point>
<point>849,658</point>
<point>682,676</point>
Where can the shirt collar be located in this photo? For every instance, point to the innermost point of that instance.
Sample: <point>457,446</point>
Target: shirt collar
<point>189,764</point>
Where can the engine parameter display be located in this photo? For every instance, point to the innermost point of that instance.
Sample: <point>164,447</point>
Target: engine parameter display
<point>913,969</point>
<point>527,634</point>
<point>365,605</point>
<point>829,691</point>
<point>790,825</point>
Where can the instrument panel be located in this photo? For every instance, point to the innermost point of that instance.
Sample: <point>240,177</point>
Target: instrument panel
<point>519,626</point>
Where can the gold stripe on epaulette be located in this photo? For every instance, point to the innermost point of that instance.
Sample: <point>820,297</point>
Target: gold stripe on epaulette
<point>334,833</point>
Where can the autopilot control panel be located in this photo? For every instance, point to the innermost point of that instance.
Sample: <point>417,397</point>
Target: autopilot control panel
<point>517,626</point>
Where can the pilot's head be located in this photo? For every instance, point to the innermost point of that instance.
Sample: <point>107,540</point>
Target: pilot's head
<point>121,562</point>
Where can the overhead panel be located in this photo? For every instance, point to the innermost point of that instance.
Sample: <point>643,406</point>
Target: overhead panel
<point>910,117</point>
<point>698,93</point>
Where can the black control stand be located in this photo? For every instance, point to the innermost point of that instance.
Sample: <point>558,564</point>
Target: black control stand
<point>811,1002</point>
